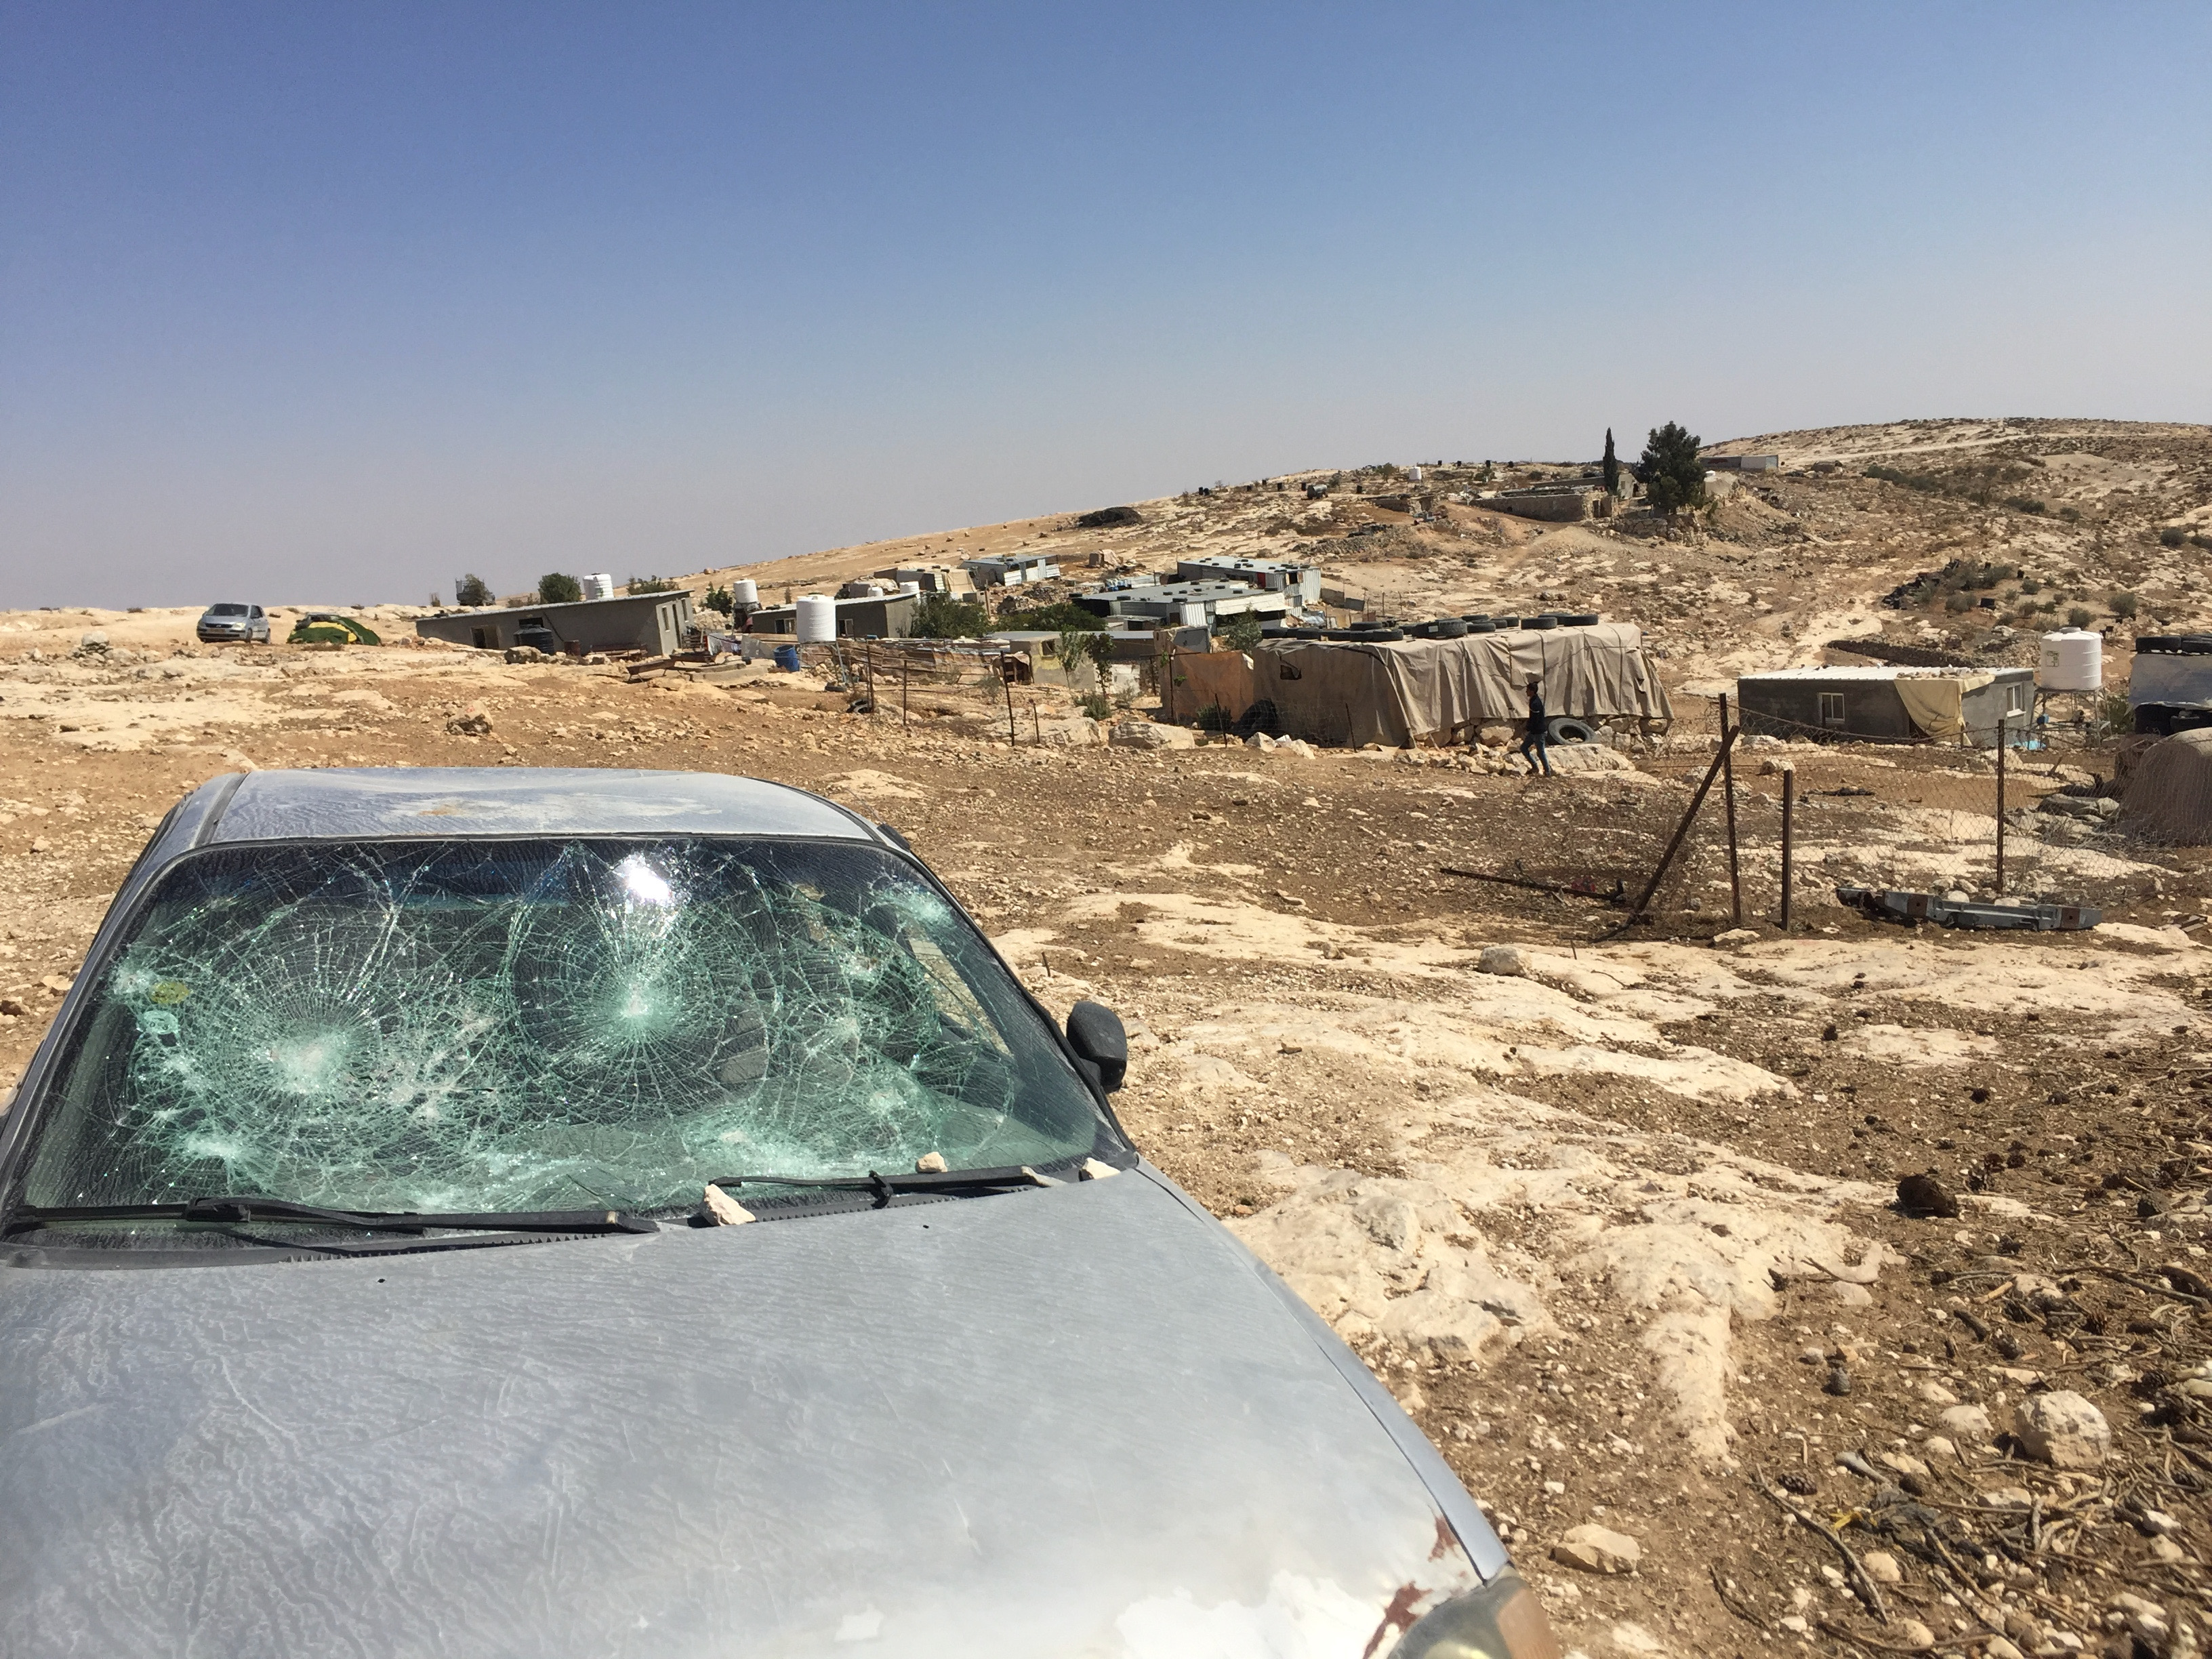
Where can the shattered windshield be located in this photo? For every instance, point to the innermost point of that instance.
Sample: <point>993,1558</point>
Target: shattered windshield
<point>542,1025</point>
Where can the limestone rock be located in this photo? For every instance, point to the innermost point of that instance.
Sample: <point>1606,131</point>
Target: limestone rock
<point>1970,1422</point>
<point>1597,1549</point>
<point>1882,1566</point>
<point>1510,960</point>
<point>2063,1430</point>
<point>1737,936</point>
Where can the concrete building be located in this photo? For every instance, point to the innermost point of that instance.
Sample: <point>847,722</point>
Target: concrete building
<point>1011,569</point>
<point>947,579</point>
<point>1200,603</point>
<point>651,622</point>
<point>1889,704</point>
<point>871,617</point>
<point>1301,582</point>
<point>1553,503</point>
<point>1743,463</point>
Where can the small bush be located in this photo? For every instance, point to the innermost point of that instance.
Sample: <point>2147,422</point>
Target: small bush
<point>2023,503</point>
<point>472,589</point>
<point>2170,536</point>
<point>2029,585</point>
<point>2121,604</point>
<point>718,598</point>
<point>2077,618</point>
<point>1243,634</point>
<point>651,584</point>
<point>1097,705</point>
<point>940,616</point>
<point>1213,718</point>
<point>2071,514</point>
<point>555,589</point>
<point>1959,602</point>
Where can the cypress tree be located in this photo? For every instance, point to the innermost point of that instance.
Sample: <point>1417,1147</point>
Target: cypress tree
<point>1612,465</point>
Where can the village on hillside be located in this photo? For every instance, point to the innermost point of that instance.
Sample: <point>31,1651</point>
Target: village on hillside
<point>1777,1065</point>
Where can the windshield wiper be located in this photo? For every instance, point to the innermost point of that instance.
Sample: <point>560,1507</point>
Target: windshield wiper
<point>885,1187</point>
<point>239,1210</point>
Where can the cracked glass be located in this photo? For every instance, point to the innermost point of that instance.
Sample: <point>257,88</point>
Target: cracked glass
<point>543,1024</point>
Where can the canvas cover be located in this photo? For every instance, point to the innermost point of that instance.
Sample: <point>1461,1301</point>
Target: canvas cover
<point>1212,679</point>
<point>2169,794</point>
<point>1407,692</point>
<point>2170,677</point>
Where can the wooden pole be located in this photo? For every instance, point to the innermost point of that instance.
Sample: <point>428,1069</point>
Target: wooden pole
<point>868,656</point>
<point>1006,679</point>
<point>1036,726</point>
<point>906,667</point>
<point>1789,810</point>
<point>2001,803</point>
<point>1681,833</point>
<point>1727,794</point>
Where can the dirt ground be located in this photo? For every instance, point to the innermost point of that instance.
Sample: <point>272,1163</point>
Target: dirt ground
<point>1614,1214</point>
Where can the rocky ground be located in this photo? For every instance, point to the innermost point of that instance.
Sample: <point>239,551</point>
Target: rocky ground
<point>1614,1213</point>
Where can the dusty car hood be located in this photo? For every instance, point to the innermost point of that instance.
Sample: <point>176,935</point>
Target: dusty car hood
<point>1078,1421</point>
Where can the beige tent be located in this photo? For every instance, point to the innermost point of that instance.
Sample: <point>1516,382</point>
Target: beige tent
<point>1407,692</point>
<point>2169,792</point>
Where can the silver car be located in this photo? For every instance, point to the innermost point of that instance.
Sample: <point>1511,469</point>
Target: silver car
<point>246,623</point>
<point>637,1214</point>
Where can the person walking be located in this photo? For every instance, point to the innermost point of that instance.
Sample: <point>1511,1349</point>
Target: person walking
<point>1537,723</point>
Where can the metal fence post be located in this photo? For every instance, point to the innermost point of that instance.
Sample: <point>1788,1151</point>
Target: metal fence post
<point>1727,794</point>
<point>1788,811</point>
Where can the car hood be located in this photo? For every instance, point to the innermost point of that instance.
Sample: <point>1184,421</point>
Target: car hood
<point>1079,1420</point>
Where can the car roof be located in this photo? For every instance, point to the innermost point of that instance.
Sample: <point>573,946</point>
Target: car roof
<point>369,803</point>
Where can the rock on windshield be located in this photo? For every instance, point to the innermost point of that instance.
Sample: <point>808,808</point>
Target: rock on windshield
<point>536,1025</point>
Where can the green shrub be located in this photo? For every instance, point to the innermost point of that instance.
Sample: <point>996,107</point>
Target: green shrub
<point>2071,514</point>
<point>2121,604</point>
<point>2077,618</point>
<point>2029,585</point>
<point>1052,618</point>
<point>1096,706</point>
<point>1213,718</point>
<point>718,598</point>
<point>651,584</point>
<point>2170,536</point>
<point>1241,633</point>
<point>472,589</point>
<point>554,588</point>
<point>2023,503</point>
<point>941,616</point>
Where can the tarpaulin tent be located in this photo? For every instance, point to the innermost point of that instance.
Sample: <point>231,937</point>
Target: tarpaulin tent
<point>1405,692</point>
<point>2169,792</point>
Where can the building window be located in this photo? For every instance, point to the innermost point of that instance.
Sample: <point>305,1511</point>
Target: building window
<point>1832,708</point>
<point>2016,697</point>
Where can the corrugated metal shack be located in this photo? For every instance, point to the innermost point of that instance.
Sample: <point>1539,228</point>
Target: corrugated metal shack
<point>651,622</point>
<point>1883,704</point>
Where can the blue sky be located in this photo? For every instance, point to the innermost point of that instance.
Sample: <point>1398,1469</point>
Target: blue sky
<point>333,302</point>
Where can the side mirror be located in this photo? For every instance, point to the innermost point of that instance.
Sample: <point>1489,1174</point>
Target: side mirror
<point>1094,1031</point>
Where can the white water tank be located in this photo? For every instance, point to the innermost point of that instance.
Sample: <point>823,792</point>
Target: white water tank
<point>2072,659</point>
<point>746,595</point>
<point>910,587</point>
<point>817,618</point>
<point>600,586</point>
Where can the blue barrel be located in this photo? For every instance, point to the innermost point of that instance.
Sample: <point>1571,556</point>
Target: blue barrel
<point>787,659</point>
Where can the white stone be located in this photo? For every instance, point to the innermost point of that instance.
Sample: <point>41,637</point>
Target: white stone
<point>1737,936</point>
<point>1507,959</point>
<point>1593,1548</point>
<point>1882,1566</point>
<point>2063,1430</point>
<point>1967,1423</point>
